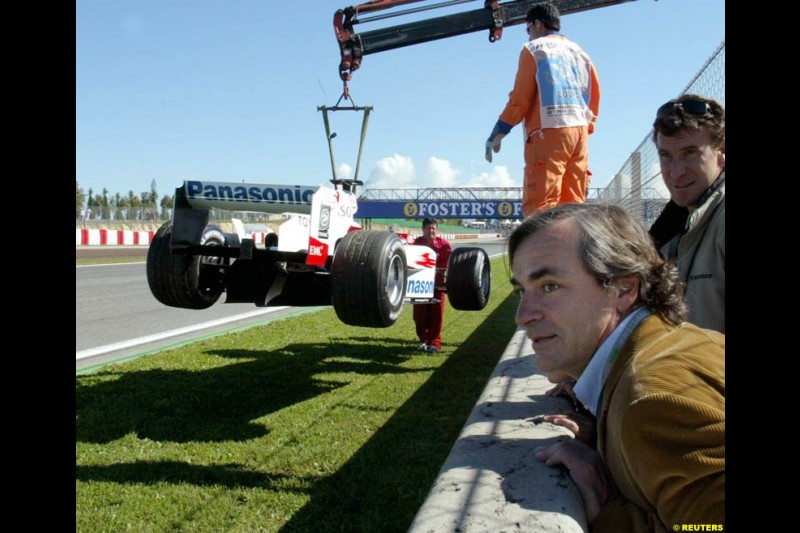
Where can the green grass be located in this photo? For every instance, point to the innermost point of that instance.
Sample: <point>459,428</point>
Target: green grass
<point>298,425</point>
<point>416,225</point>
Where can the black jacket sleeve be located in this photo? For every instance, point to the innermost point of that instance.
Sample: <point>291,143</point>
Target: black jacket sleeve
<point>669,223</point>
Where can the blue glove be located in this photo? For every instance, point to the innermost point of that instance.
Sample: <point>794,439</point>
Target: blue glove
<point>493,142</point>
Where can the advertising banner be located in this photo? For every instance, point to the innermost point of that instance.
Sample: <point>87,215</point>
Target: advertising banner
<point>440,209</point>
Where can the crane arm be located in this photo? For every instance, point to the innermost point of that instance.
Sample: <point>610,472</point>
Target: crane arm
<point>494,16</point>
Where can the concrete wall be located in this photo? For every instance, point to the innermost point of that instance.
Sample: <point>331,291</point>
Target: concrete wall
<point>491,481</point>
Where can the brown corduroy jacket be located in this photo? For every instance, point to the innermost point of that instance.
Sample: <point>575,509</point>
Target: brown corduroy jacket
<point>661,430</point>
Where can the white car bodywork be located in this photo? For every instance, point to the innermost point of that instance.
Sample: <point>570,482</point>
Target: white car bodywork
<point>319,256</point>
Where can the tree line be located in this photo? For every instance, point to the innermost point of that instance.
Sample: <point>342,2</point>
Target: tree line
<point>147,205</point>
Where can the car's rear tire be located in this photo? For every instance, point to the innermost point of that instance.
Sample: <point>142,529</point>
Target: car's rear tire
<point>368,278</point>
<point>185,281</point>
<point>469,279</point>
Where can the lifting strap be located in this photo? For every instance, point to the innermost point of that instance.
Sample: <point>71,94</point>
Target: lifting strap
<point>350,184</point>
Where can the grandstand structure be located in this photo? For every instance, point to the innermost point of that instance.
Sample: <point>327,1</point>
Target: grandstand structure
<point>637,186</point>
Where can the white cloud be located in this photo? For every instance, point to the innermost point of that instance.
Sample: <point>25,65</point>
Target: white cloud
<point>395,172</point>
<point>440,173</point>
<point>499,177</point>
<point>344,171</point>
<point>398,172</point>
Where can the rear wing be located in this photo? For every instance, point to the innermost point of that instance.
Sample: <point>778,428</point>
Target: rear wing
<point>321,215</point>
<point>253,197</point>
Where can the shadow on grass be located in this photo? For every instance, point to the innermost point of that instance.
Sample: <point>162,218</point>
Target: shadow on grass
<point>152,472</point>
<point>219,404</point>
<point>384,484</point>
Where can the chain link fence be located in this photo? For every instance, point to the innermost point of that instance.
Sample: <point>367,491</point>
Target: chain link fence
<point>638,185</point>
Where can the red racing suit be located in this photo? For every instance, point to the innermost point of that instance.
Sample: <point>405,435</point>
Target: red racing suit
<point>557,94</point>
<point>429,317</point>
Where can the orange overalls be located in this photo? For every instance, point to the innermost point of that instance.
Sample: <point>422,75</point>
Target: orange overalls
<point>557,94</point>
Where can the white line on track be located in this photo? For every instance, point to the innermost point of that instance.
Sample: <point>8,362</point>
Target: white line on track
<point>111,264</point>
<point>172,333</point>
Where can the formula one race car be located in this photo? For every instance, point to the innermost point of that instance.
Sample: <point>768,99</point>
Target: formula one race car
<point>319,256</point>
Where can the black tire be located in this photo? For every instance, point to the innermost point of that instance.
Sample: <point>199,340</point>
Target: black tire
<point>181,280</point>
<point>368,278</point>
<point>469,279</point>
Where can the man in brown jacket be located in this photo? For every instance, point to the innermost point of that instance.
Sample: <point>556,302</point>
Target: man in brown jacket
<point>602,307</point>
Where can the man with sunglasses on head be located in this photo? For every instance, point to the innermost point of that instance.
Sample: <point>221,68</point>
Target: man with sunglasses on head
<point>689,133</point>
<point>557,95</point>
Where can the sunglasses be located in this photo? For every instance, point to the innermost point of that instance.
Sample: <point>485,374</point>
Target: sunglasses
<point>693,107</point>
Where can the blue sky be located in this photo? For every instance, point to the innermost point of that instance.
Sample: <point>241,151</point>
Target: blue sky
<point>228,91</point>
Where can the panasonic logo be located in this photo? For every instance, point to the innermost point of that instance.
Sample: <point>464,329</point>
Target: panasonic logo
<point>419,287</point>
<point>272,194</point>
